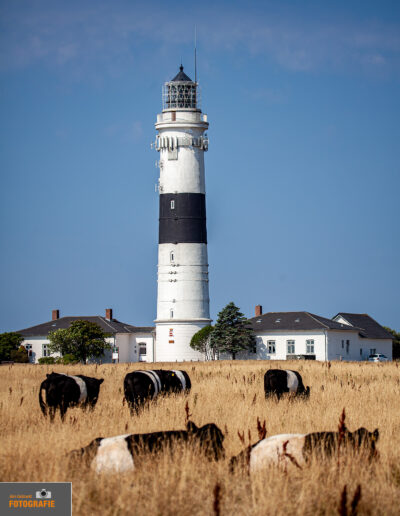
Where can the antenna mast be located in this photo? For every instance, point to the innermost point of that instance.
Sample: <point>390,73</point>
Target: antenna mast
<point>195,54</point>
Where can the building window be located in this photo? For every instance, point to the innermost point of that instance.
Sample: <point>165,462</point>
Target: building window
<point>271,347</point>
<point>347,347</point>
<point>28,348</point>
<point>290,347</point>
<point>310,346</point>
<point>142,351</point>
<point>342,344</point>
<point>171,256</point>
<point>45,351</point>
<point>171,314</point>
<point>372,351</point>
<point>360,352</point>
<point>172,204</point>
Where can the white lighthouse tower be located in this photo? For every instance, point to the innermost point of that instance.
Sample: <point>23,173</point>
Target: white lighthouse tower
<point>183,296</point>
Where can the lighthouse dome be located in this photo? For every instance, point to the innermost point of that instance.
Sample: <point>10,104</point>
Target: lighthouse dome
<point>180,92</point>
<point>181,76</point>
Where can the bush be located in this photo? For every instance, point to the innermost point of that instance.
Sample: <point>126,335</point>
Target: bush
<point>47,360</point>
<point>20,356</point>
<point>67,359</point>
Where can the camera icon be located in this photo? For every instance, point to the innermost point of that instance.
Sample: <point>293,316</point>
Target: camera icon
<point>43,493</point>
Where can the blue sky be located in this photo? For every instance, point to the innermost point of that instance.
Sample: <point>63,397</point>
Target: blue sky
<point>302,172</point>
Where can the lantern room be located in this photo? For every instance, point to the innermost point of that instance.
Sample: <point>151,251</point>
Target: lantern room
<point>180,92</point>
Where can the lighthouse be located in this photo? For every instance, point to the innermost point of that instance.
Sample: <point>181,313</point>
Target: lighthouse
<point>183,304</point>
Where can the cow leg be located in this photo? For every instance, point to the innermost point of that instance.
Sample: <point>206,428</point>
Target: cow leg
<point>52,413</point>
<point>63,410</point>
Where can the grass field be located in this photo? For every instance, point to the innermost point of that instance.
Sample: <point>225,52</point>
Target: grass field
<point>229,394</point>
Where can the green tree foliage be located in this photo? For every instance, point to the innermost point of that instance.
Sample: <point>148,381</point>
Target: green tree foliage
<point>83,340</point>
<point>201,341</point>
<point>396,342</point>
<point>9,342</point>
<point>20,355</point>
<point>232,332</point>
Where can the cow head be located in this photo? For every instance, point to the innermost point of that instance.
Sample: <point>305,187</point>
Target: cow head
<point>367,440</point>
<point>210,437</point>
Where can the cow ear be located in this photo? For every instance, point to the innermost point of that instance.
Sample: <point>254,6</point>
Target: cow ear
<point>191,427</point>
<point>47,375</point>
<point>101,380</point>
<point>375,435</point>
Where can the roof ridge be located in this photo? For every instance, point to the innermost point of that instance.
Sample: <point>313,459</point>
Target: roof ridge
<point>106,322</point>
<point>314,316</point>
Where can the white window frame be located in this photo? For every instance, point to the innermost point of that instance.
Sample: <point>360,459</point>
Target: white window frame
<point>172,204</point>
<point>271,344</point>
<point>310,347</point>
<point>291,343</point>
<point>45,351</point>
<point>142,355</point>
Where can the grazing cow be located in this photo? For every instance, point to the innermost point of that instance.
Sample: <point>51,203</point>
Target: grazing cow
<point>63,391</point>
<point>299,449</point>
<point>118,454</point>
<point>140,386</point>
<point>278,381</point>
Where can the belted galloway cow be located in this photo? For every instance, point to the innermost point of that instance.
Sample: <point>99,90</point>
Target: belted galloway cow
<point>280,381</point>
<point>63,391</point>
<point>140,386</point>
<point>119,454</point>
<point>300,449</point>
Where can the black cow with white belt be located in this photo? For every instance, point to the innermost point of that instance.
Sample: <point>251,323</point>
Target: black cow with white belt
<point>280,381</point>
<point>63,391</point>
<point>122,453</point>
<point>141,386</point>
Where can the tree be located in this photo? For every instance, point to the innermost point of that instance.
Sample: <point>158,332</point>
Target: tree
<point>231,333</point>
<point>83,340</point>
<point>396,342</point>
<point>201,341</point>
<point>9,341</point>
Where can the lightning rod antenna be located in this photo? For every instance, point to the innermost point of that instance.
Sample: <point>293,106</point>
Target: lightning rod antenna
<point>195,54</point>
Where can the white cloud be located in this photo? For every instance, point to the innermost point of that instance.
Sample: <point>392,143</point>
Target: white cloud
<point>115,34</point>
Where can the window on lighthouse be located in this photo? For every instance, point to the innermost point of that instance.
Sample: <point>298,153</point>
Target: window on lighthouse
<point>171,314</point>
<point>172,204</point>
<point>171,256</point>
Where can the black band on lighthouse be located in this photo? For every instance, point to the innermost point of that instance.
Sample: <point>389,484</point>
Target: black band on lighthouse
<point>183,219</point>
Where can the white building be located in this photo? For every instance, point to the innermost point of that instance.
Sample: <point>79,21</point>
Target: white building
<point>292,335</point>
<point>279,336</point>
<point>130,343</point>
<point>183,294</point>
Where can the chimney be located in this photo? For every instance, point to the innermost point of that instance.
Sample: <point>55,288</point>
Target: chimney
<point>108,314</point>
<point>55,314</point>
<point>258,310</point>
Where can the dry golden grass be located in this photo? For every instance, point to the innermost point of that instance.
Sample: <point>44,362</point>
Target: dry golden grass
<point>229,394</point>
